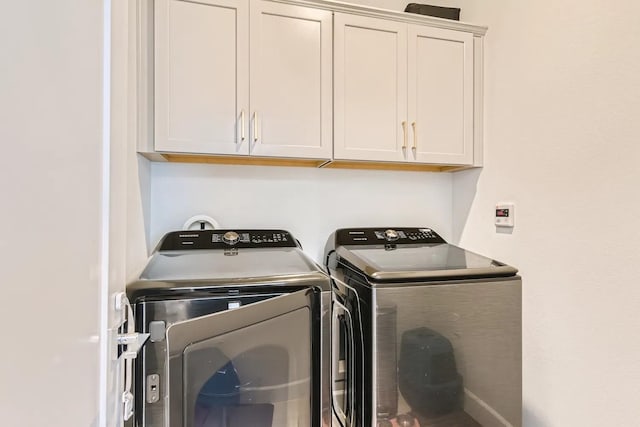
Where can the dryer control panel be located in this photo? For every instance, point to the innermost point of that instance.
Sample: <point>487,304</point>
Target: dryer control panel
<point>225,239</point>
<point>384,235</point>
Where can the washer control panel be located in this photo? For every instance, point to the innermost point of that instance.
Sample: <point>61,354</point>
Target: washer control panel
<point>385,235</point>
<point>391,235</point>
<point>230,237</point>
<point>225,239</point>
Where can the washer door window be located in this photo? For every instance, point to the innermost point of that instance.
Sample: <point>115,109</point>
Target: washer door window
<point>247,367</point>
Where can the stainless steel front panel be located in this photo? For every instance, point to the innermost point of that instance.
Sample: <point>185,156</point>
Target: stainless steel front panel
<point>435,353</point>
<point>256,361</point>
<point>153,358</point>
<point>285,333</point>
<point>477,327</point>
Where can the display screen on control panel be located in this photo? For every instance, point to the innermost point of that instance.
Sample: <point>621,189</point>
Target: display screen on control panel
<point>502,213</point>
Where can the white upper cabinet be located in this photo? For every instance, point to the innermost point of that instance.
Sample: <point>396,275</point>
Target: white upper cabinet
<point>370,96</point>
<point>403,92</point>
<point>313,82</point>
<point>207,102</point>
<point>291,84</point>
<point>440,95</point>
<point>201,76</point>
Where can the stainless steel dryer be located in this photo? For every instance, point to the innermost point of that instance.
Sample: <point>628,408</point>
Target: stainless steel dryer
<point>239,324</point>
<point>429,334</point>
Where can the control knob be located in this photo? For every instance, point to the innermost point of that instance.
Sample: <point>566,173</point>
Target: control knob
<point>391,235</point>
<point>231,237</point>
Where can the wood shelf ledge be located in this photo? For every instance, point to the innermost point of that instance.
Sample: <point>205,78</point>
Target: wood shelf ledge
<point>291,162</point>
<point>411,167</point>
<point>243,160</point>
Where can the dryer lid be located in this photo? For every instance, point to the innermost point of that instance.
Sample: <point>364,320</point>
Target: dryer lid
<point>422,262</point>
<point>412,254</point>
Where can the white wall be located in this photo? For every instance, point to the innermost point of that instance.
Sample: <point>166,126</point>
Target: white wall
<point>563,142</point>
<point>310,203</point>
<point>138,214</point>
<point>51,111</point>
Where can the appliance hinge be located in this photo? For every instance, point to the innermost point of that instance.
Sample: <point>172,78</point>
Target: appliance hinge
<point>129,343</point>
<point>133,342</point>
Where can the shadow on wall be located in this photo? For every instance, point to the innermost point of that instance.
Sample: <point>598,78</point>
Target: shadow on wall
<point>138,209</point>
<point>465,185</point>
<point>530,419</point>
<point>144,178</point>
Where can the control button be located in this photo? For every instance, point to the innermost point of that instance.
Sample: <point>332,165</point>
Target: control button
<point>231,238</point>
<point>391,235</point>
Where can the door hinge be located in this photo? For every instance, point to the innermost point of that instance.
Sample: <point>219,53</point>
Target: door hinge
<point>133,342</point>
<point>128,342</point>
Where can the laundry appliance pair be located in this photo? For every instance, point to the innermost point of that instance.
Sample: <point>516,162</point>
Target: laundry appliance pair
<point>398,328</point>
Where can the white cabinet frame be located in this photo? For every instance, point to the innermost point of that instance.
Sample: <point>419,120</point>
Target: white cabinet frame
<point>290,81</point>
<point>441,95</point>
<point>195,113</point>
<point>149,132</point>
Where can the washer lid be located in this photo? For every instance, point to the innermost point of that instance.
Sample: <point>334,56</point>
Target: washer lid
<point>227,255</point>
<point>219,260</point>
<point>210,264</point>
<point>413,262</point>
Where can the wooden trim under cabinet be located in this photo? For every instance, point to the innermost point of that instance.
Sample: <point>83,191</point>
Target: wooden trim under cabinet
<point>313,163</point>
<point>410,167</point>
<point>243,160</point>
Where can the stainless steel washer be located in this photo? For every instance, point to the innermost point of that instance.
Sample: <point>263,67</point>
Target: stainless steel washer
<point>239,323</point>
<point>426,333</point>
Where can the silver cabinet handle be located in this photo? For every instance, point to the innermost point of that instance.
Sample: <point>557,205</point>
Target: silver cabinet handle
<point>404,136</point>
<point>242,135</point>
<point>415,137</point>
<point>255,127</point>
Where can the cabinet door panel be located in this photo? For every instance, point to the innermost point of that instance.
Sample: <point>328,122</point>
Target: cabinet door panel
<point>441,95</point>
<point>370,98</point>
<point>201,76</point>
<point>290,80</point>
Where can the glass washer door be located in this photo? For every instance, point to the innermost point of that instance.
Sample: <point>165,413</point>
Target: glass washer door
<point>246,367</point>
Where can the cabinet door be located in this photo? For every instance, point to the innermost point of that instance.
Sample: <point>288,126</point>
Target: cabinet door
<point>370,98</point>
<point>440,95</point>
<point>290,81</point>
<point>201,76</point>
